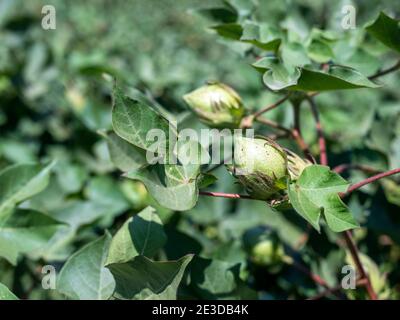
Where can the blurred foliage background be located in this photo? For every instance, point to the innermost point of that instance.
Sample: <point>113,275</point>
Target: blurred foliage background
<point>54,98</point>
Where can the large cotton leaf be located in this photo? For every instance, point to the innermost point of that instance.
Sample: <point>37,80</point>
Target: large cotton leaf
<point>176,188</point>
<point>141,234</point>
<point>386,30</point>
<point>142,278</point>
<point>21,181</point>
<point>25,231</point>
<point>133,119</point>
<point>316,193</point>
<point>277,76</point>
<point>125,156</point>
<point>84,276</point>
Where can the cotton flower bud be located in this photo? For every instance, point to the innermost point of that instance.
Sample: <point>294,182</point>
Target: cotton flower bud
<point>260,165</point>
<point>217,104</point>
<point>296,164</point>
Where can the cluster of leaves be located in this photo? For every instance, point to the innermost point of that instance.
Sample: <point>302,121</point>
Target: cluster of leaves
<point>149,235</point>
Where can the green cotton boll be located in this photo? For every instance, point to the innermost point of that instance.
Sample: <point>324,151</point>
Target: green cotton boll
<point>296,164</point>
<point>267,253</point>
<point>264,248</point>
<point>217,105</point>
<point>260,165</point>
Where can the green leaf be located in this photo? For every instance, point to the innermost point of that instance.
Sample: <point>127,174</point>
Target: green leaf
<point>231,31</point>
<point>320,51</point>
<point>6,294</point>
<point>132,120</point>
<point>278,75</point>
<point>84,276</point>
<point>205,180</point>
<point>142,278</point>
<point>337,78</point>
<point>104,191</point>
<point>20,182</point>
<point>141,234</point>
<point>25,231</point>
<point>316,193</point>
<point>386,30</point>
<point>221,12</point>
<point>177,191</point>
<point>215,279</point>
<point>261,36</point>
<point>125,156</point>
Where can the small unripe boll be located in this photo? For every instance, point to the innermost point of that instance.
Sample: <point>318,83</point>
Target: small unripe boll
<point>260,165</point>
<point>217,105</point>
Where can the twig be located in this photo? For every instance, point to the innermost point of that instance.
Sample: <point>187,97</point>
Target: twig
<point>225,195</point>
<point>369,180</point>
<point>270,107</point>
<point>274,125</point>
<point>247,122</point>
<point>356,258</point>
<point>386,71</point>
<point>303,269</point>
<point>321,139</point>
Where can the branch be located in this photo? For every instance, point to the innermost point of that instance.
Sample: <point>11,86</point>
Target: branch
<point>314,277</point>
<point>274,125</point>
<point>321,139</point>
<point>356,258</point>
<point>348,237</point>
<point>386,71</point>
<point>270,107</point>
<point>247,122</point>
<point>369,180</point>
<point>225,195</point>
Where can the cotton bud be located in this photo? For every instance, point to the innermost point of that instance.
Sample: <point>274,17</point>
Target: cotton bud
<point>296,164</point>
<point>217,104</point>
<point>260,165</point>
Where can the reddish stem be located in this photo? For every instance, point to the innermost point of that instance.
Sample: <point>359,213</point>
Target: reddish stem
<point>374,178</point>
<point>316,278</point>
<point>356,258</point>
<point>270,107</point>
<point>225,195</point>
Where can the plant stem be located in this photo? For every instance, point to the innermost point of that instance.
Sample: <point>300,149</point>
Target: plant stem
<point>386,71</point>
<point>321,139</point>
<point>225,195</point>
<point>369,180</point>
<point>270,107</point>
<point>347,234</point>
<point>274,125</point>
<point>356,258</point>
<point>303,269</point>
